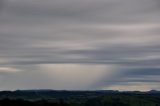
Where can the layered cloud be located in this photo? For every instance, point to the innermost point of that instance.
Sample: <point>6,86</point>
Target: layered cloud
<point>122,36</point>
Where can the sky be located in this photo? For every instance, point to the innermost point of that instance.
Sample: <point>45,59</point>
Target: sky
<point>80,44</point>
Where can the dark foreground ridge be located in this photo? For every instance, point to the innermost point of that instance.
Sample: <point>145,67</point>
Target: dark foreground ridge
<point>79,98</point>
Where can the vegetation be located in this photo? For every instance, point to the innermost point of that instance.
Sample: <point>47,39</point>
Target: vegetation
<point>77,98</point>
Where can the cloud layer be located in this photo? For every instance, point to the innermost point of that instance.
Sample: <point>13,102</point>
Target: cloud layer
<point>41,35</point>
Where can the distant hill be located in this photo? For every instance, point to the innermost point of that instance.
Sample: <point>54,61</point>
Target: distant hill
<point>48,93</point>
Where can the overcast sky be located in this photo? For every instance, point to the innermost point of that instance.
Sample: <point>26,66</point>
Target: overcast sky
<point>80,44</point>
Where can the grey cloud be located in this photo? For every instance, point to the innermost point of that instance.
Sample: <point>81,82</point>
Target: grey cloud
<point>131,76</point>
<point>1,4</point>
<point>120,33</point>
<point>87,11</point>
